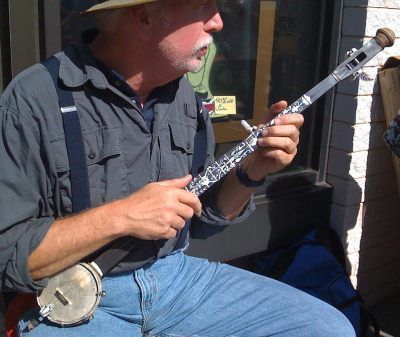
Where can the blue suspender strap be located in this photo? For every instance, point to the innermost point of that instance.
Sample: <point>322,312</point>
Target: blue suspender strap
<point>74,140</point>
<point>200,141</point>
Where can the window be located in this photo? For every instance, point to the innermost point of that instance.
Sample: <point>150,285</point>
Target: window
<point>268,50</point>
<point>234,78</point>
<point>5,57</point>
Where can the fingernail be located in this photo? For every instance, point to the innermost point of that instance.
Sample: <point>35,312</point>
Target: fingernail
<point>278,121</point>
<point>265,132</point>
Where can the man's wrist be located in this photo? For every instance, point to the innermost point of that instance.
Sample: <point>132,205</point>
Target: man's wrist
<point>244,178</point>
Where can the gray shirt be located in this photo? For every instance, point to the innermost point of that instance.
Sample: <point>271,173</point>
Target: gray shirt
<point>122,156</point>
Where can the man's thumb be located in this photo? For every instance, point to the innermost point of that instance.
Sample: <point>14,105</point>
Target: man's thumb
<point>178,183</point>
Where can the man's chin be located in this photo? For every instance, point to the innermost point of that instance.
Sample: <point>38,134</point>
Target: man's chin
<point>195,65</point>
<point>189,66</point>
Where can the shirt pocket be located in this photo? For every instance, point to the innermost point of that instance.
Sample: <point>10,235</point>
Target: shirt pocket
<point>177,147</point>
<point>105,164</point>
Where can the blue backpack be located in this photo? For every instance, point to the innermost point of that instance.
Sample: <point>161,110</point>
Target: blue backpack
<point>316,264</point>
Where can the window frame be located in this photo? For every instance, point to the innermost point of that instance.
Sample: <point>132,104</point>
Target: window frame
<point>24,34</point>
<point>5,54</point>
<point>319,115</point>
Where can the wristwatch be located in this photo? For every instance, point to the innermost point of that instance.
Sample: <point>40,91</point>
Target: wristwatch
<point>245,180</point>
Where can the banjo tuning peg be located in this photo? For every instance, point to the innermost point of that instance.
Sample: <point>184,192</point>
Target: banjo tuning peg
<point>350,52</point>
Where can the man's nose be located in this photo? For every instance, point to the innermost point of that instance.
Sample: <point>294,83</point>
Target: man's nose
<point>215,23</point>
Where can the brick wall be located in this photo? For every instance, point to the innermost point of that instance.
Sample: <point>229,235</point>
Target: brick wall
<point>366,205</point>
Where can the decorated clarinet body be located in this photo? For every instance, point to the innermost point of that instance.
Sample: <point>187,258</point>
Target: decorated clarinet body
<point>351,66</point>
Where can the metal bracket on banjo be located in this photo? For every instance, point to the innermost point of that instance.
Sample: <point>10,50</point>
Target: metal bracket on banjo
<point>72,296</point>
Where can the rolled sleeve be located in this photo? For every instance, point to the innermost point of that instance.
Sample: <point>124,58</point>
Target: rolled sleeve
<point>24,240</point>
<point>25,215</point>
<point>212,221</point>
<point>212,215</point>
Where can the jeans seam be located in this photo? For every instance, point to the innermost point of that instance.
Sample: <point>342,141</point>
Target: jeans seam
<point>142,301</point>
<point>153,288</point>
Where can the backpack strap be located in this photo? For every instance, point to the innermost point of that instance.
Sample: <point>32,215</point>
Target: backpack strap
<point>80,191</point>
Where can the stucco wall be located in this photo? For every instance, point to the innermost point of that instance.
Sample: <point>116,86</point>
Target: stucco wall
<point>366,205</point>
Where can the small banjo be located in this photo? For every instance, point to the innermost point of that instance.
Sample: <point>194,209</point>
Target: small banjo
<point>72,296</point>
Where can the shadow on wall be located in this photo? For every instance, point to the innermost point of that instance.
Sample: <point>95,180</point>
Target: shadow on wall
<point>366,204</point>
<point>347,198</point>
<point>379,263</point>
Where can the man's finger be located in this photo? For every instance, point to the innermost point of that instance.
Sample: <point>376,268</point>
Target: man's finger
<point>279,143</point>
<point>191,200</point>
<point>178,183</point>
<point>278,107</point>
<point>273,111</point>
<point>289,131</point>
<point>295,119</point>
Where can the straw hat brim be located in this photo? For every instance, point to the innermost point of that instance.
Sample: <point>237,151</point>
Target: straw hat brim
<point>115,4</point>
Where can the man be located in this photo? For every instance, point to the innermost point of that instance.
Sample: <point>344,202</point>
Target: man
<point>138,117</point>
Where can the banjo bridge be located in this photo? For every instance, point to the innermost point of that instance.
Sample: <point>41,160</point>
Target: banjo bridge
<point>61,297</point>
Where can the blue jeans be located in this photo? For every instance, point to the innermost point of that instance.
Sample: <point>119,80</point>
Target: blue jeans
<point>182,296</point>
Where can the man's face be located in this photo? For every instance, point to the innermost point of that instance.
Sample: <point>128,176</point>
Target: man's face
<point>186,32</point>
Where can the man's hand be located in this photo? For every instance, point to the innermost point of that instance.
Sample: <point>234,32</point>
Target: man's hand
<point>278,144</point>
<point>158,210</point>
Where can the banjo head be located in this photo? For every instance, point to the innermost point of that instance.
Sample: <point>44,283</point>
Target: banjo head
<point>73,294</point>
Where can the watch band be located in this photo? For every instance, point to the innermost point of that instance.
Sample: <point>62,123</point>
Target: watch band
<point>245,180</point>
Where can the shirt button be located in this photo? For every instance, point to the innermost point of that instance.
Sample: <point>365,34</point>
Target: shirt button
<point>92,154</point>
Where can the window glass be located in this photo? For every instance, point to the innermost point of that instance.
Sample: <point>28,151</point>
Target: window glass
<point>268,50</point>
<point>228,71</point>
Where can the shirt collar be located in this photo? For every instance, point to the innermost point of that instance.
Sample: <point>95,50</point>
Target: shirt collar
<point>78,66</point>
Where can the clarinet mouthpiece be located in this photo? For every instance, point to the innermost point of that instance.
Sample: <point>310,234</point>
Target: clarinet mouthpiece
<point>385,37</point>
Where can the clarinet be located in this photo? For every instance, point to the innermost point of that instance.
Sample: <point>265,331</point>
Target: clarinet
<point>351,66</point>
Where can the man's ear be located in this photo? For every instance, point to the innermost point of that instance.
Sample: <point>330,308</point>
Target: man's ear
<point>142,21</point>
